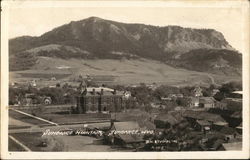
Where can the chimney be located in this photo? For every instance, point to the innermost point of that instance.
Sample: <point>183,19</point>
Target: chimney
<point>102,91</point>
<point>93,91</point>
<point>114,91</point>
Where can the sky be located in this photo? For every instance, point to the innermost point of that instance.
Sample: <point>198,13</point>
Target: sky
<point>34,21</point>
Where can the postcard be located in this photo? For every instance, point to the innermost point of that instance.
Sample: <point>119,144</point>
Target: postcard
<point>125,79</point>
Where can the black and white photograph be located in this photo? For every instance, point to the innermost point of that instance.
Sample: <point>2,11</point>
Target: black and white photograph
<point>140,78</point>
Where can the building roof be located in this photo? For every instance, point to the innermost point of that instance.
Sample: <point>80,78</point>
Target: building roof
<point>200,115</point>
<point>239,126</point>
<point>167,118</point>
<point>203,122</point>
<point>128,126</point>
<point>234,99</point>
<point>194,99</point>
<point>221,123</point>
<point>207,100</point>
<point>106,91</point>
<point>171,117</point>
<point>98,89</point>
<point>237,114</point>
<point>197,89</point>
<point>238,92</point>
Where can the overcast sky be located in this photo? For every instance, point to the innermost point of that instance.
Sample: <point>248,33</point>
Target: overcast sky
<point>36,21</point>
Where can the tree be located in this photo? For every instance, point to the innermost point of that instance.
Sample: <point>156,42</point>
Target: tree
<point>219,96</point>
<point>142,93</point>
<point>164,91</point>
<point>58,85</point>
<point>148,108</point>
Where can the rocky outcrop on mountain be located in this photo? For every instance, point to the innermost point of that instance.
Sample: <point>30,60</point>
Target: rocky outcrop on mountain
<point>98,38</point>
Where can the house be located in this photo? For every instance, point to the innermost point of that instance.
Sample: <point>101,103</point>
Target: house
<point>203,126</point>
<point>207,102</point>
<point>221,105</point>
<point>30,99</point>
<point>214,91</point>
<point>197,92</point>
<point>53,79</point>
<point>124,134</point>
<point>167,120</point>
<point>166,98</point>
<point>219,125</point>
<point>14,84</point>
<point>47,100</point>
<point>126,95</point>
<point>33,83</point>
<point>193,116</point>
<point>193,102</point>
<point>99,99</point>
<point>52,86</point>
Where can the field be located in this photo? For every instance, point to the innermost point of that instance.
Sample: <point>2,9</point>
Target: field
<point>13,147</point>
<point>75,118</point>
<point>115,71</point>
<point>24,120</point>
<point>28,131</point>
<point>44,75</point>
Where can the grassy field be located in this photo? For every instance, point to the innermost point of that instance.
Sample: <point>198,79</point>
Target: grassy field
<point>34,139</point>
<point>14,147</point>
<point>74,118</point>
<point>24,118</point>
<point>123,71</point>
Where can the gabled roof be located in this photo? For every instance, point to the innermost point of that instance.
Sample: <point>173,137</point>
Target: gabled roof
<point>200,115</point>
<point>221,123</point>
<point>237,114</point>
<point>167,118</point>
<point>171,117</point>
<point>194,99</point>
<point>238,92</point>
<point>203,122</point>
<point>207,100</point>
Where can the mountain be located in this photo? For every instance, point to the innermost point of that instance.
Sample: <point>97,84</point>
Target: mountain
<point>94,37</point>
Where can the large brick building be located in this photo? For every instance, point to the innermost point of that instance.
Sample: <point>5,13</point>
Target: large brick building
<point>92,100</point>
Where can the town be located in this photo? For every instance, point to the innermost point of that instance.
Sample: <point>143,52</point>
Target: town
<point>90,113</point>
